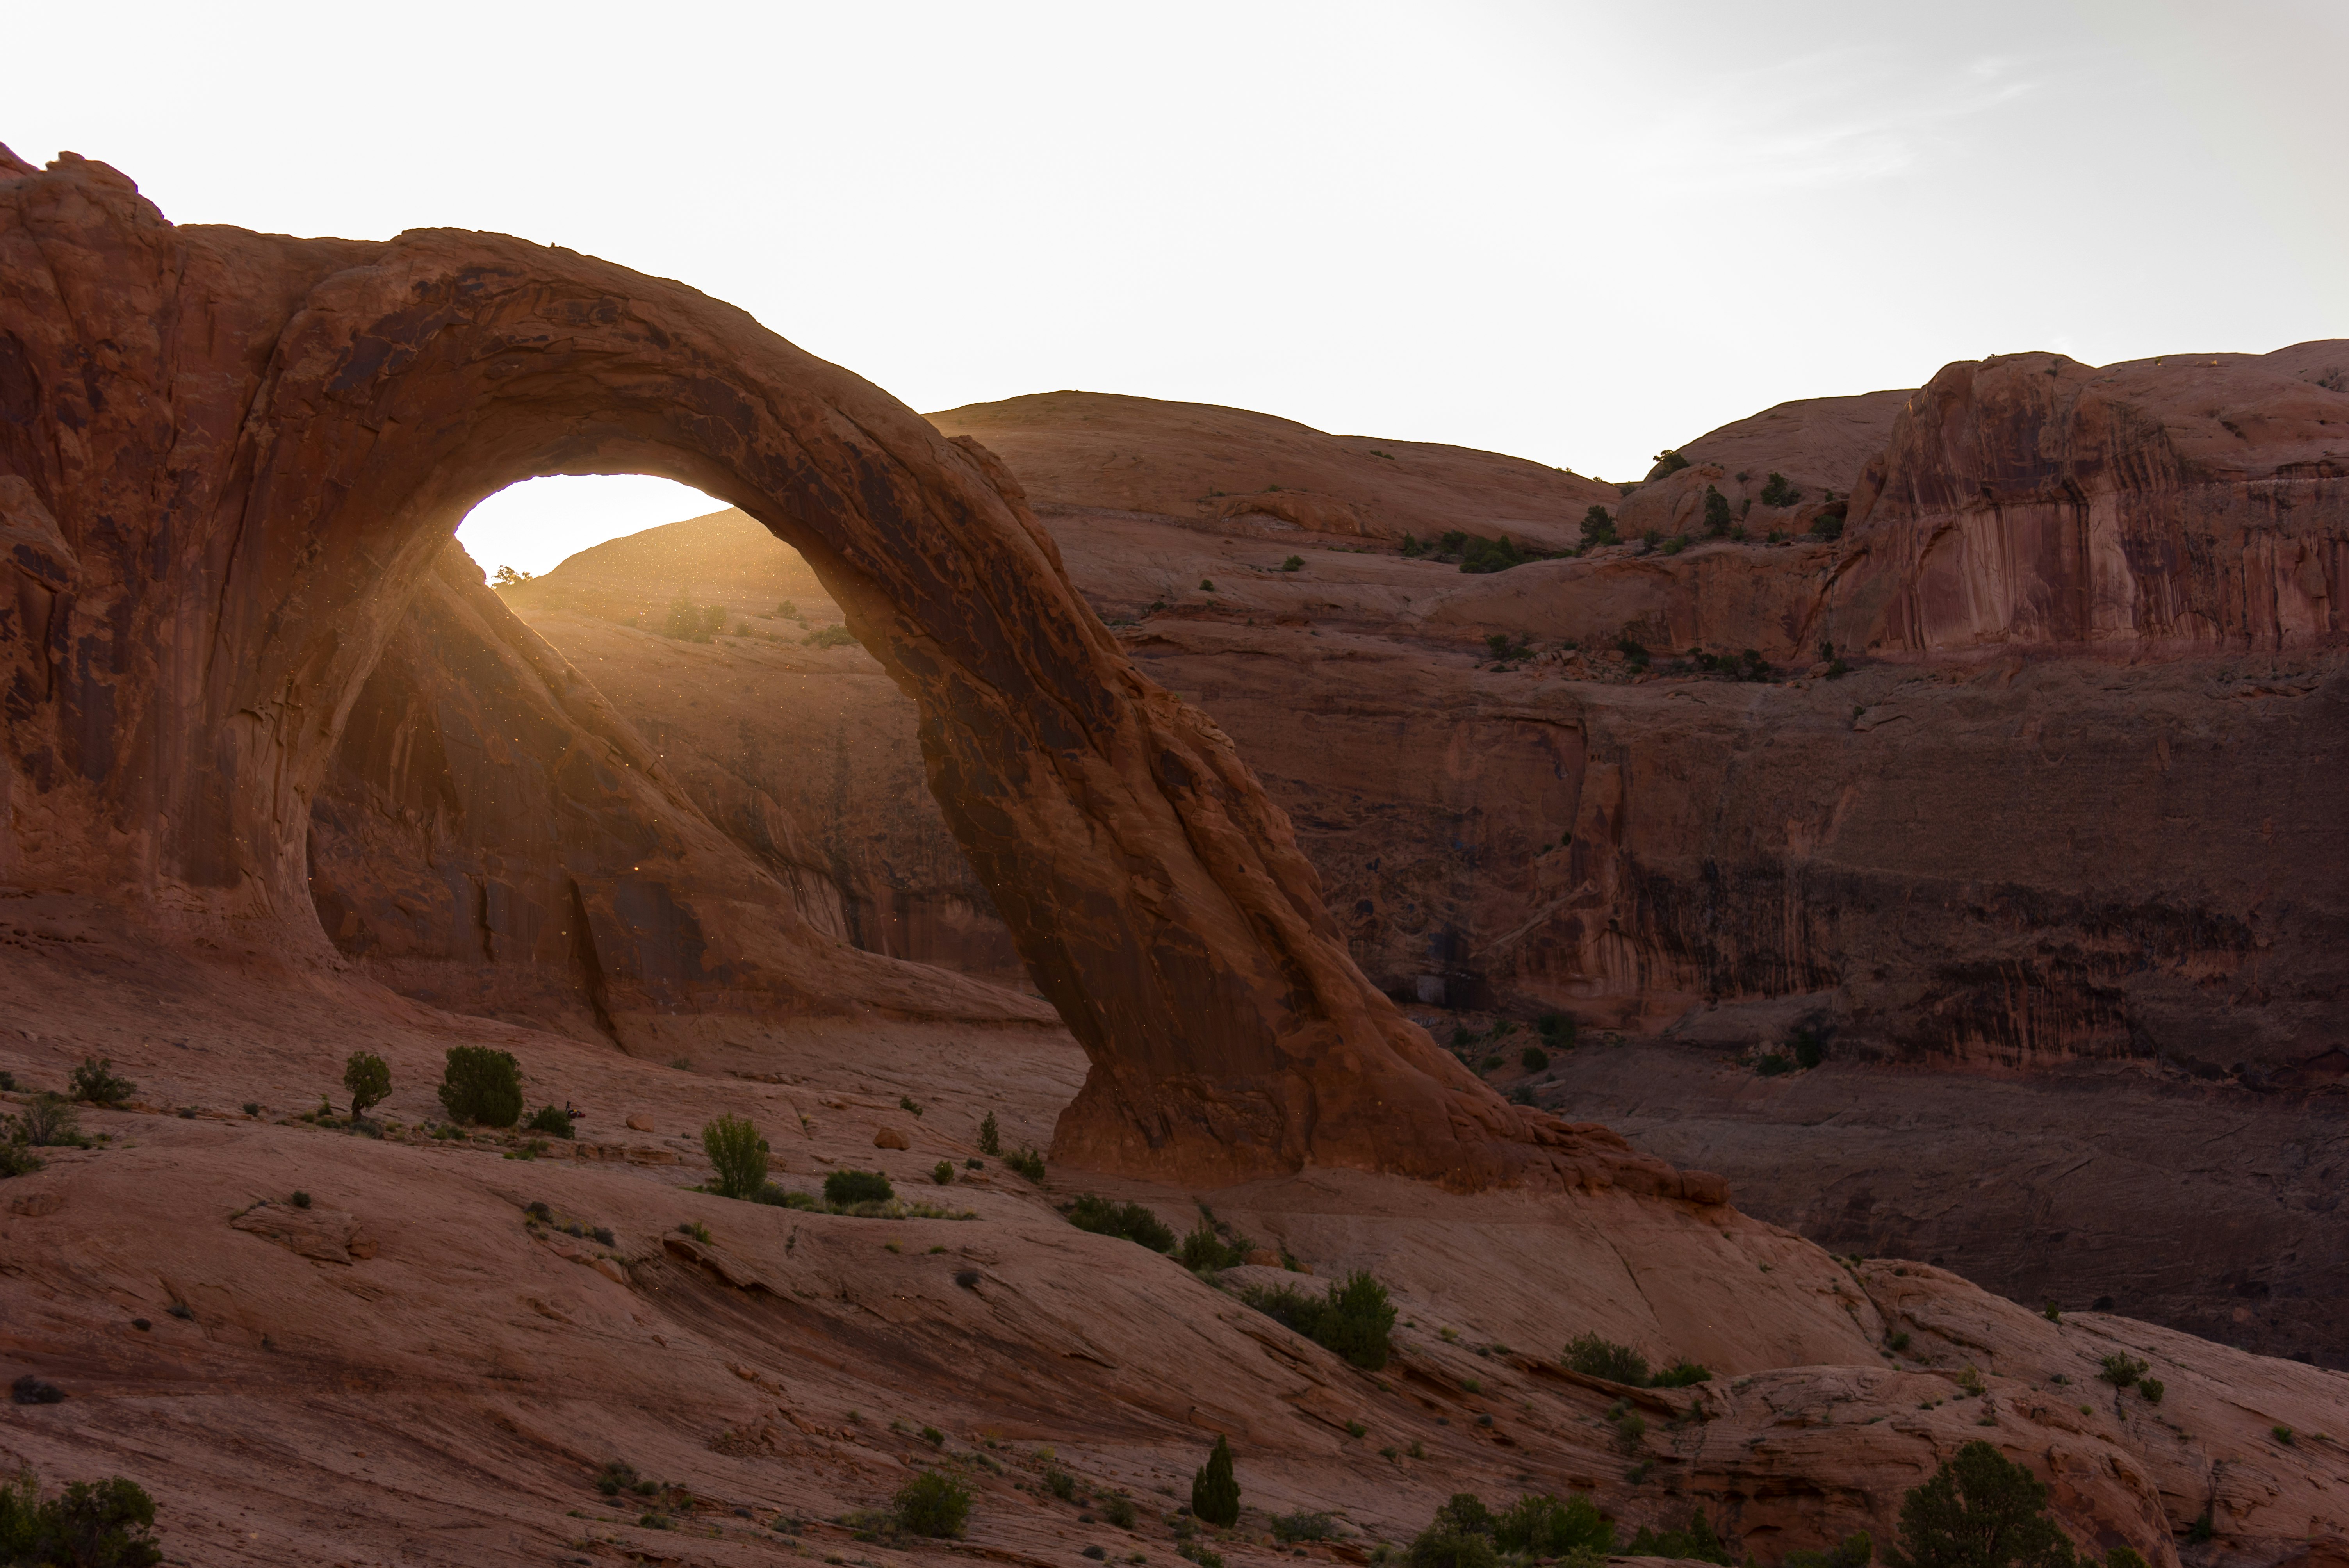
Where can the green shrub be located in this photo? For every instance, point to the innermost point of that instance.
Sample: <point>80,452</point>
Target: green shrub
<point>552,1120</point>
<point>1303,1525</point>
<point>1436,1547</point>
<point>368,1079</point>
<point>2121,1369</point>
<point>1717,515</point>
<point>990,1139</point>
<point>2151,1388</point>
<point>1489,555</point>
<point>1697,1542</point>
<point>1771,1065</point>
<point>1630,1428</point>
<point>1119,1511</point>
<point>105,1523</point>
<point>1828,524</point>
<point>47,1121</point>
<point>1778,493</point>
<point>1203,1250</point>
<point>1026,1161</point>
<point>1061,1484</point>
<point>838,636</point>
<point>1810,1050</point>
<point>17,1160</point>
<point>1131,1220</point>
<point>2122,1557</point>
<point>1215,1490</point>
<point>737,1154</point>
<point>1675,544</point>
<point>1668,461</point>
<point>943,1173</point>
<point>1294,563</point>
<point>933,1504</point>
<point>1533,1059</point>
<point>2285,1436</point>
<point>1631,648</point>
<point>1979,1510</point>
<point>1857,1550</point>
<point>1356,1320</point>
<point>1681,1374</point>
<point>1595,1358</point>
<point>1539,1525</point>
<point>1597,528</point>
<point>481,1086</point>
<point>1558,1030</point>
<point>96,1082</point>
<point>1205,1557</point>
<point>845,1187</point>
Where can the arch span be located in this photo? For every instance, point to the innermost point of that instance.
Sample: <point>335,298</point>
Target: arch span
<point>229,459</point>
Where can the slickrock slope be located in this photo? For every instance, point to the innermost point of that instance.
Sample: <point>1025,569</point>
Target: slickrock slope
<point>417,1366</point>
<point>1100,451</point>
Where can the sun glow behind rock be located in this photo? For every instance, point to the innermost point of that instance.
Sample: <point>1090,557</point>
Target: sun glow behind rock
<point>532,526</point>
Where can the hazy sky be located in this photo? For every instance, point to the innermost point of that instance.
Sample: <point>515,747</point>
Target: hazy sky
<point>1577,232</point>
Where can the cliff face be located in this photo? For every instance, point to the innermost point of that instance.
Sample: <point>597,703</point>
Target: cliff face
<point>2176,505</point>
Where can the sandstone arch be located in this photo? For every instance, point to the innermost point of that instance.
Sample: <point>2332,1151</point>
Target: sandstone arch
<point>228,458</point>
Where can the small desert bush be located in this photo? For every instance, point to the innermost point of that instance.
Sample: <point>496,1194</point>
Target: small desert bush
<point>1717,515</point>
<point>481,1086</point>
<point>1131,1220</point>
<point>1294,563</point>
<point>1027,1162</point>
<point>368,1080</point>
<point>1214,1490</point>
<point>1630,1426</point>
<point>96,1081</point>
<point>1857,1550</point>
<point>2121,1369</point>
<point>849,1187</point>
<point>737,1154</point>
<point>1698,1543</point>
<point>990,1137</point>
<point>1596,1358</point>
<point>17,1160</point>
<point>107,1523</point>
<point>2151,1388</point>
<point>1539,1525</point>
<point>552,1120</point>
<point>1119,1511</point>
<point>1597,528</point>
<point>1204,1250</point>
<point>829,637</point>
<point>942,1173</point>
<point>1533,1059</point>
<point>1356,1320</point>
<point>1303,1525</point>
<point>47,1121</point>
<point>1778,493</point>
<point>932,1503</point>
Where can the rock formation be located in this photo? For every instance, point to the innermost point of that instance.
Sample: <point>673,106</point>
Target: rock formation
<point>231,460</point>
<point>2111,873</point>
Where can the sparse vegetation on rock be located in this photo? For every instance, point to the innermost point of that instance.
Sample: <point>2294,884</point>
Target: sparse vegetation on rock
<point>107,1523</point>
<point>96,1081</point>
<point>1355,1319</point>
<point>1778,493</point>
<point>932,1504</point>
<point>1027,1162</point>
<point>1133,1222</point>
<point>990,1137</point>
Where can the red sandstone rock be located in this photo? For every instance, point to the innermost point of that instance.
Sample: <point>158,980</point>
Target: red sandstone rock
<point>256,446</point>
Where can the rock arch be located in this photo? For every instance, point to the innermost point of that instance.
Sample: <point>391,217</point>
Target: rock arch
<point>228,458</point>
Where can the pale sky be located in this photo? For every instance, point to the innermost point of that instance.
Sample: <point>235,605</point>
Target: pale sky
<point>1577,232</point>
